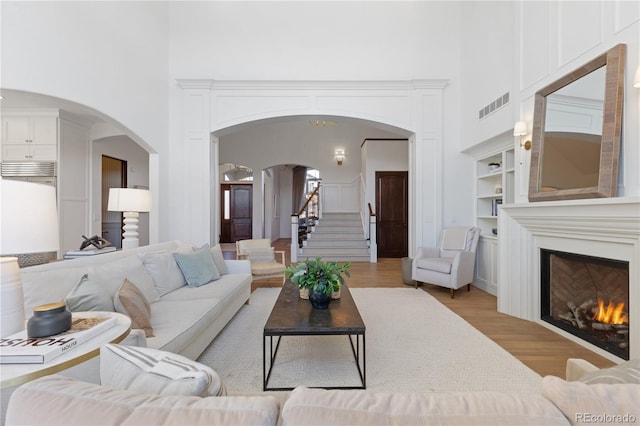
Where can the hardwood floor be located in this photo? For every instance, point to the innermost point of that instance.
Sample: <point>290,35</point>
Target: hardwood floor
<point>539,348</point>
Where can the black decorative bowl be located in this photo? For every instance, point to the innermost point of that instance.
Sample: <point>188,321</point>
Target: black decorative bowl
<point>48,320</point>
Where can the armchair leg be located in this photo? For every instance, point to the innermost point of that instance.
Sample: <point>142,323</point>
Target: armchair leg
<point>468,287</point>
<point>451,291</point>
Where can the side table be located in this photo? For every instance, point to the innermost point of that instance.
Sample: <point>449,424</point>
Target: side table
<point>12,375</point>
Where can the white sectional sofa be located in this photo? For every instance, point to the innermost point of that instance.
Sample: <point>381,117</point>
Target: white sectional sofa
<point>608,396</point>
<point>184,319</point>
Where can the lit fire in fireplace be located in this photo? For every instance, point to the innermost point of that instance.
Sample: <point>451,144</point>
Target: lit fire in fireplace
<point>611,314</point>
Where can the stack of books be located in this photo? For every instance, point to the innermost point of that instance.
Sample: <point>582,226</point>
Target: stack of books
<point>21,349</point>
<point>74,254</point>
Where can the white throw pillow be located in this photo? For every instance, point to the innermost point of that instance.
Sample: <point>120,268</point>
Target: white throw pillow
<point>89,295</point>
<point>148,370</point>
<point>164,270</point>
<point>218,259</point>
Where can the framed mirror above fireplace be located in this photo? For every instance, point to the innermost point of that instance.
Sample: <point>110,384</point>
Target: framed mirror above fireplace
<point>577,126</point>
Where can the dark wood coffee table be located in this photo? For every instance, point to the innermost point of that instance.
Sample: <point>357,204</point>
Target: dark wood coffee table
<point>291,316</point>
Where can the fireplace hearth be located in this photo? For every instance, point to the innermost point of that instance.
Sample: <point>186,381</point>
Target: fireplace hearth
<point>587,297</point>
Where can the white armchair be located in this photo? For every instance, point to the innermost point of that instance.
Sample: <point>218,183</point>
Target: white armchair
<point>262,257</point>
<point>452,263</point>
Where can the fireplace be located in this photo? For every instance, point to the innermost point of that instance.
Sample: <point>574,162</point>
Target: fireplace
<point>588,297</point>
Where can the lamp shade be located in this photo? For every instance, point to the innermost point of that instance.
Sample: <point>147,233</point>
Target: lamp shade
<point>29,220</point>
<point>129,200</point>
<point>520,128</point>
<point>636,78</point>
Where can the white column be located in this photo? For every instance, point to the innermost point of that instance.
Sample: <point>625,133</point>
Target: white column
<point>294,237</point>
<point>194,179</point>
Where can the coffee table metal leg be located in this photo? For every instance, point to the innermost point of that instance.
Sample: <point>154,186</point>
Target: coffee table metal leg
<point>362,370</point>
<point>266,374</point>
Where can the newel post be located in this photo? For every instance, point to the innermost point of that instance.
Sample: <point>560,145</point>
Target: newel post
<point>294,237</point>
<point>373,243</point>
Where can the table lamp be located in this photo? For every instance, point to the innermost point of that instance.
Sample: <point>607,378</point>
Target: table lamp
<point>130,201</point>
<point>29,225</point>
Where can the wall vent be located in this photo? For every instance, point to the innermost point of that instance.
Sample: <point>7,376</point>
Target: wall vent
<point>493,106</point>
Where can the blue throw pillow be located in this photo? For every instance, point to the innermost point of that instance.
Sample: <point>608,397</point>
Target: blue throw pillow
<point>197,267</point>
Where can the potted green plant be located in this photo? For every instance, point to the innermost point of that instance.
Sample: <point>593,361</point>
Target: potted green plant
<point>320,278</point>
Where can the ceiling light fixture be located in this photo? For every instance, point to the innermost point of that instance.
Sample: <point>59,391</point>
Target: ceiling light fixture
<point>322,123</point>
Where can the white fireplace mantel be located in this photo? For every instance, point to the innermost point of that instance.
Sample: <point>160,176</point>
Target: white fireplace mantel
<point>601,227</point>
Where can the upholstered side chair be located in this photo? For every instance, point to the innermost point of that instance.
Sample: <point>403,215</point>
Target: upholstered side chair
<point>452,263</point>
<point>262,257</point>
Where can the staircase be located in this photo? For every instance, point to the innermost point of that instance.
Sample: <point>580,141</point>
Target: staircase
<point>337,237</point>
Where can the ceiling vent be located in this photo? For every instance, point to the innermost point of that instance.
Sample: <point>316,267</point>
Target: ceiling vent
<point>493,106</point>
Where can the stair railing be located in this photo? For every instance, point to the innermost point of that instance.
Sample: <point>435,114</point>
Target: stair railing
<point>373,242</point>
<point>295,225</point>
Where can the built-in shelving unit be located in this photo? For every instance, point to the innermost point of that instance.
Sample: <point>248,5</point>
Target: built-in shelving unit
<point>495,186</point>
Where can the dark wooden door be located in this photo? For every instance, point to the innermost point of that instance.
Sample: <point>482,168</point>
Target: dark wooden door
<point>114,175</point>
<point>392,209</point>
<point>237,212</point>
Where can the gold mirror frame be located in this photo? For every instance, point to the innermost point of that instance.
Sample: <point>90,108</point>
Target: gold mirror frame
<point>614,59</point>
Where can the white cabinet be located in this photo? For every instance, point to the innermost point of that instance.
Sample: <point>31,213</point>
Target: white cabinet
<point>29,138</point>
<point>486,266</point>
<point>494,181</point>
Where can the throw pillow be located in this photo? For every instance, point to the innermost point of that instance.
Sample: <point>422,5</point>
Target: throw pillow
<point>148,370</point>
<point>266,254</point>
<point>627,372</point>
<point>89,295</point>
<point>218,259</point>
<point>598,403</point>
<point>130,301</point>
<point>130,267</point>
<point>164,270</point>
<point>197,267</point>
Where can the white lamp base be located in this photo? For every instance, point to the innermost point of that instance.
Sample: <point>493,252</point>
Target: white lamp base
<point>11,297</point>
<point>130,228</point>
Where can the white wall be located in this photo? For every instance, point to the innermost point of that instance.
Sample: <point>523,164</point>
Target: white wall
<point>121,59</point>
<point>380,156</point>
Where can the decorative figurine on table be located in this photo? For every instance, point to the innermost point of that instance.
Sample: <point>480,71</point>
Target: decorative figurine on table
<point>96,241</point>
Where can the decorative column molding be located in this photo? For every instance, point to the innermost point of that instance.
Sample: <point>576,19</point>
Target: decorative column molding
<point>192,178</point>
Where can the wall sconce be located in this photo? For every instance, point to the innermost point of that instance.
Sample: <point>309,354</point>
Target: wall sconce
<point>339,156</point>
<point>520,129</point>
<point>636,78</point>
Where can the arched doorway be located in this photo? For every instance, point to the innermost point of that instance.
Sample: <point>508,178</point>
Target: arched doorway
<point>215,108</point>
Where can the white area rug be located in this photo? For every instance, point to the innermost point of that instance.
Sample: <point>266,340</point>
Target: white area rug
<point>413,344</point>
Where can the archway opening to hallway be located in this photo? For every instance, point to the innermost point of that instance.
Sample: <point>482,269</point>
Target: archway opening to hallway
<point>347,182</point>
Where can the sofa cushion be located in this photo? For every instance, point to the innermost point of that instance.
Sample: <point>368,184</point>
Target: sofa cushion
<point>218,259</point>
<point>597,403</point>
<point>338,407</point>
<point>46,286</point>
<point>267,268</point>
<point>197,267</point>
<point>627,372</point>
<point>79,403</point>
<point>148,370</point>
<point>261,254</point>
<point>164,270</point>
<point>130,301</point>
<point>89,295</point>
<point>438,264</point>
<point>131,268</point>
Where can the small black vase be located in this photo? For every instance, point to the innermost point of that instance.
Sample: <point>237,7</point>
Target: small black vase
<point>319,299</point>
<point>48,320</point>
